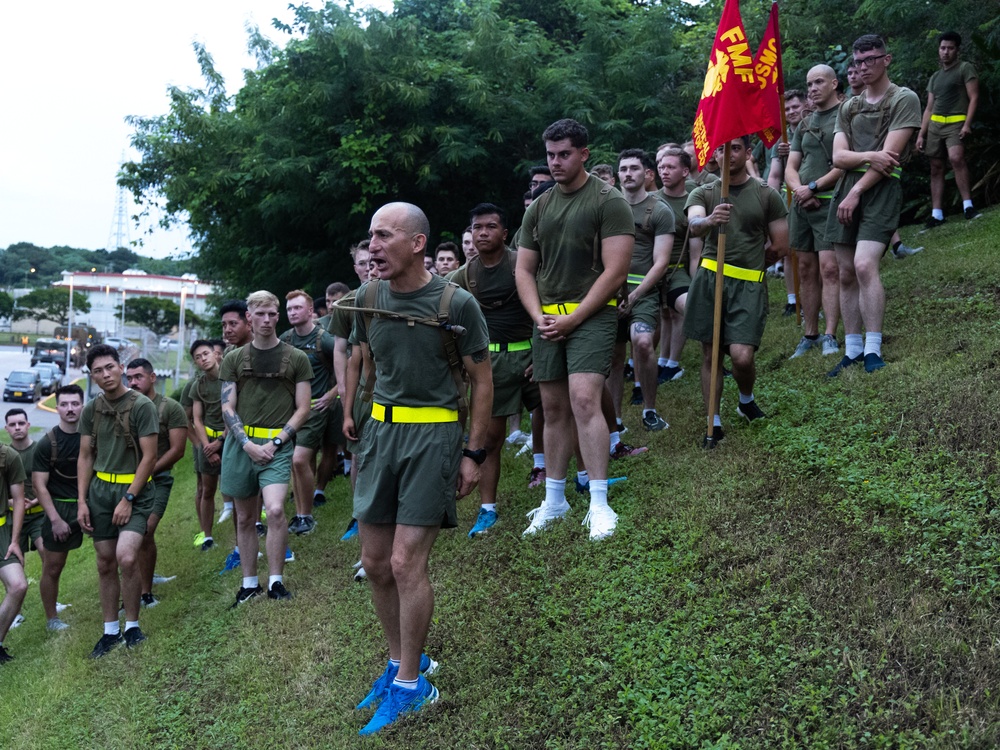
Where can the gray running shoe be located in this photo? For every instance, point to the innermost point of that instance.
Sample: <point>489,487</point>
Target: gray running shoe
<point>904,251</point>
<point>804,346</point>
<point>830,345</point>
<point>654,422</point>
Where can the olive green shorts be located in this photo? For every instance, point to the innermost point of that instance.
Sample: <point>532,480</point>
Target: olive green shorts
<point>162,484</point>
<point>676,282</point>
<point>876,217</point>
<point>362,413</point>
<point>311,434</point>
<point>807,229</point>
<point>744,310</point>
<point>645,310</point>
<point>5,539</point>
<point>588,348</point>
<point>408,474</point>
<point>334,435</point>
<point>31,530</point>
<point>941,136</point>
<point>67,512</point>
<point>202,466</point>
<point>102,499</point>
<point>511,389</point>
<point>242,478</point>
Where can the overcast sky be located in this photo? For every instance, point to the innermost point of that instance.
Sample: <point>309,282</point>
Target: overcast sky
<point>72,72</point>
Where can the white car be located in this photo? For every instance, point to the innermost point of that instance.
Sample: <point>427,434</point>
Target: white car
<point>168,344</point>
<point>118,343</point>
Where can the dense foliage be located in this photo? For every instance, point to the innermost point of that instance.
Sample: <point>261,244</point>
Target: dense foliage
<point>442,103</point>
<point>50,303</point>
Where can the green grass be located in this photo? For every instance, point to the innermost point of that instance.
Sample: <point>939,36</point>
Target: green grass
<point>827,579</point>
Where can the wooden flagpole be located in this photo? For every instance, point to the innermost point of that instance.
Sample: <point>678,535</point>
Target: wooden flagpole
<point>717,321</point>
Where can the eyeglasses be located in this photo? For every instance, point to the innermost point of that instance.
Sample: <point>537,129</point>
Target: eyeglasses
<point>867,62</point>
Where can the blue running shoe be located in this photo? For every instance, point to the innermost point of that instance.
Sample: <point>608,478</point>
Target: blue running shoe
<point>400,702</point>
<point>484,520</point>
<point>380,688</point>
<point>289,555</point>
<point>352,530</point>
<point>427,665</point>
<point>584,488</point>
<point>232,562</point>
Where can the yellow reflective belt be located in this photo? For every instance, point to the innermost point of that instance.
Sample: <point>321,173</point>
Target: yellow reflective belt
<point>896,173</point>
<point>947,119</point>
<point>676,265</point>
<point>513,346</point>
<point>823,196</point>
<point>213,433</point>
<point>636,278</point>
<point>733,272</point>
<point>65,499</point>
<point>115,478</point>
<point>33,510</point>
<point>565,308</point>
<point>3,519</point>
<point>413,414</point>
<point>261,432</point>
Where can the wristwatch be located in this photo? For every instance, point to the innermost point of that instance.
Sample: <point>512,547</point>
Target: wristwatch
<point>278,442</point>
<point>130,497</point>
<point>813,186</point>
<point>478,456</point>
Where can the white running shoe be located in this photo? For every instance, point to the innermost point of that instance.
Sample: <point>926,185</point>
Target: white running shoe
<point>55,625</point>
<point>543,515</point>
<point>62,607</point>
<point>225,515</point>
<point>17,622</point>
<point>158,579</point>
<point>602,522</point>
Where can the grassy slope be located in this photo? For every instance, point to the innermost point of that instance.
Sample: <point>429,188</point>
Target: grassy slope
<point>826,579</point>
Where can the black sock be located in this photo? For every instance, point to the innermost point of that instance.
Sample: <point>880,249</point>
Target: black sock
<point>896,245</point>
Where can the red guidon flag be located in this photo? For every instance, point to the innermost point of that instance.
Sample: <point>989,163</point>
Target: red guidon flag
<point>730,98</point>
<point>767,66</point>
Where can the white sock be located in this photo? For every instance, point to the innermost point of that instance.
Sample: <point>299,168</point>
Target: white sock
<point>394,662</point>
<point>209,539</point>
<point>854,345</point>
<point>129,624</point>
<point>598,492</point>
<point>630,362</point>
<point>555,491</point>
<point>405,684</point>
<point>236,549</point>
<point>661,362</point>
<point>873,343</point>
<point>273,580</point>
<point>966,204</point>
<point>227,506</point>
<point>492,507</point>
<point>582,477</point>
<point>791,298</point>
<point>615,439</point>
<point>673,363</point>
<point>717,420</point>
<point>347,467</point>
<point>250,582</point>
<point>638,384</point>
<point>938,214</point>
<point>539,459</point>
<point>745,399</point>
<point>317,492</point>
<point>112,628</point>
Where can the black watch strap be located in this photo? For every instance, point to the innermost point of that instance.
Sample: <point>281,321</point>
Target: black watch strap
<point>478,456</point>
<point>130,497</point>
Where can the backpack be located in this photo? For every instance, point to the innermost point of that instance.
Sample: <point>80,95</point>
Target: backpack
<point>120,421</point>
<point>246,371</point>
<point>472,271</point>
<point>54,455</point>
<point>449,334</point>
<point>854,107</point>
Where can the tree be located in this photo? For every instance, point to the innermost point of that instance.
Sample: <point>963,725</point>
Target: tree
<point>6,305</point>
<point>157,314</point>
<point>50,303</point>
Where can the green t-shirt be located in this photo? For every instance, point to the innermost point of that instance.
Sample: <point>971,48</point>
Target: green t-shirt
<point>62,476</point>
<point>186,400</point>
<point>948,87</point>
<point>506,318</point>
<point>317,345</point>
<point>171,416</point>
<point>754,206</point>
<point>678,205</point>
<point>411,367</point>
<point>652,219</point>
<point>113,454</point>
<point>13,474</point>
<point>867,125</point>
<point>702,178</point>
<point>27,460</point>
<point>208,392</point>
<point>341,320</point>
<point>266,401</point>
<point>814,140</point>
<point>567,225</point>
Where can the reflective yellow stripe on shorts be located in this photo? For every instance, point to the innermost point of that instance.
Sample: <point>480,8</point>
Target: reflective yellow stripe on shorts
<point>947,119</point>
<point>213,433</point>
<point>105,476</point>
<point>896,173</point>
<point>413,414</point>
<point>565,308</point>
<point>33,510</point>
<point>733,272</point>
<point>513,346</point>
<point>261,432</point>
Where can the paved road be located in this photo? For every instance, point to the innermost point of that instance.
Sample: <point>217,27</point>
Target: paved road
<point>11,358</point>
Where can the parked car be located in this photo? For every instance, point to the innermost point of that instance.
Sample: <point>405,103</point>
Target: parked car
<point>168,344</point>
<point>118,343</point>
<point>51,375</point>
<point>23,385</point>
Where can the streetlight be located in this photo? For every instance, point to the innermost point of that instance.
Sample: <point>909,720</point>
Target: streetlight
<point>69,326</point>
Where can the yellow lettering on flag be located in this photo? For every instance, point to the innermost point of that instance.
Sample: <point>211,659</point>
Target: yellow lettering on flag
<point>700,137</point>
<point>766,68</point>
<point>735,34</point>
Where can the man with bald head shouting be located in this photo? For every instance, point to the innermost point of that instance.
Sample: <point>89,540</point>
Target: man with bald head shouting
<point>410,462</point>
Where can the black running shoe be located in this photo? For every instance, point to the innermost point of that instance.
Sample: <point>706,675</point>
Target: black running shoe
<point>320,500</point>
<point>148,600</point>
<point>207,545</point>
<point>636,399</point>
<point>133,637</point>
<point>4,656</point>
<point>106,645</point>
<point>295,525</point>
<point>629,373</point>
<point>261,530</point>
<point>845,362</point>
<point>750,412</point>
<point>246,594</point>
<point>789,310</point>
<point>278,591</point>
<point>933,223</point>
<point>717,436</point>
<point>970,213</point>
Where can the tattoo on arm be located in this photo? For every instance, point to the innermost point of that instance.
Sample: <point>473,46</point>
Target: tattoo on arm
<point>480,356</point>
<point>229,415</point>
<point>289,430</point>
